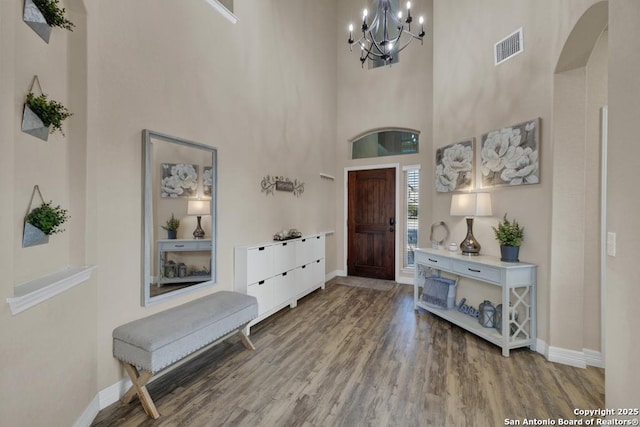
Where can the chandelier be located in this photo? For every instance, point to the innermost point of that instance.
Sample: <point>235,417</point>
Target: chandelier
<point>383,38</point>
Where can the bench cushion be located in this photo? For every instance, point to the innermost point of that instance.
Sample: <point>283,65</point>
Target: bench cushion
<point>157,341</point>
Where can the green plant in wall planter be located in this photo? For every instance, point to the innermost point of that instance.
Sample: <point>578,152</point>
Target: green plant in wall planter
<point>43,116</point>
<point>510,235</point>
<point>42,15</point>
<point>43,221</point>
<point>172,227</point>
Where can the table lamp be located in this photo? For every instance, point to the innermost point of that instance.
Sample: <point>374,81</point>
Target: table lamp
<point>470,205</point>
<point>199,208</point>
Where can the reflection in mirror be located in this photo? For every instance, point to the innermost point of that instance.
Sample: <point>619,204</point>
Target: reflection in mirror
<point>179,216</point>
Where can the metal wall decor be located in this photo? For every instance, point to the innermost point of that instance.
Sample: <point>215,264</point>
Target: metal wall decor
<point>34,18</point>
<point>439,234</point>
<point>269,184</point>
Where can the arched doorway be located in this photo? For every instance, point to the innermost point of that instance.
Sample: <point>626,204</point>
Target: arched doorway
<point>580,92</point>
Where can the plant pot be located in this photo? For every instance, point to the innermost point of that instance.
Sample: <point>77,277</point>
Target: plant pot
<point>32,124</point>
<point>33,236</point>
<point>35,19</point>
<point>509,253</point>
<point>172,234</point>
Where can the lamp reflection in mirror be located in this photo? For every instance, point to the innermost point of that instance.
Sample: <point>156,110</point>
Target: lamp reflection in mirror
<point>470,205</point>
<point>199,208</point>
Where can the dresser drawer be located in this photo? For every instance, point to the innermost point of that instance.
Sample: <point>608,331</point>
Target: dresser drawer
<point>186,245</point>
<point>480,272</point>
<point>434,261</point>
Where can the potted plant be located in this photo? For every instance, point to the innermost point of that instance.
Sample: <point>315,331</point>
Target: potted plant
<point>42,15</point>
<point>510,235</point>
<point>48,218</point>
<point>50,113</point>
<point>172,227</point>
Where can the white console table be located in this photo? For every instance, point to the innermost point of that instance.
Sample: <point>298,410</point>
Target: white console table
<point>518,283</point>
<point>181,245</point>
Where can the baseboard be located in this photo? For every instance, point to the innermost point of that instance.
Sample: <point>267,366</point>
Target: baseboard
<point>593,358</point>
<point>330,275</point>
<point>340,273</point>
<point>567,357</point>
<point>89,414</point>
<point>405,280</point>
<point>113,393</point>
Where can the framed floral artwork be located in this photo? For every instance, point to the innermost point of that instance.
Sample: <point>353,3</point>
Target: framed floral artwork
<point>179,180</point>
<point>510,156</point>
<point>455,166</point>
<point>207,180</point>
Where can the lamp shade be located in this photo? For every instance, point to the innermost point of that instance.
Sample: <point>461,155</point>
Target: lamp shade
<point>199,207</point>
<point>471,204</point>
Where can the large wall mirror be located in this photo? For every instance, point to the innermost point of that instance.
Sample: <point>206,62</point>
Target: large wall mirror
<point>179,190</point>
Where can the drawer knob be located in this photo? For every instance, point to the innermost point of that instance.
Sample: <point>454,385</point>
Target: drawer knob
<point>475,271</point>
<point>432,260</point>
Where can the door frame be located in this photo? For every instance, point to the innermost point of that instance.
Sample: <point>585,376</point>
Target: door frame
<point>345,211</point>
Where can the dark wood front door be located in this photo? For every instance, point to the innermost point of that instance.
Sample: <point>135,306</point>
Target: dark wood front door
<point>371,223</point>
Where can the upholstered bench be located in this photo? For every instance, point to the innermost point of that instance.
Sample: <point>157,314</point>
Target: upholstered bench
<point>153,343</point>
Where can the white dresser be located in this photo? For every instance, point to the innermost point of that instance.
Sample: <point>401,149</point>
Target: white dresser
<point>279,273</point>
<point>518,288</point>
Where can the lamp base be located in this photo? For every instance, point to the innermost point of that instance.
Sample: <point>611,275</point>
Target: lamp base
<point>198,233</point>
<point>470,246</point>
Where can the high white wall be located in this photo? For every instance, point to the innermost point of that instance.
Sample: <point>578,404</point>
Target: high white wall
<point>623,293</point>
<point>260,91</point>
<point>399,96</point>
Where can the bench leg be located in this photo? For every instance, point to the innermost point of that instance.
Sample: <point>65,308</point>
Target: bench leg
<point>246,341</point>
<point>139,387</point>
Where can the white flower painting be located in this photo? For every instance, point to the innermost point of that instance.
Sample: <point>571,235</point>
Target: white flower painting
<point>179,180</point>
<point>509,156</point>
<point>207,180</point>
<point>454,166</point>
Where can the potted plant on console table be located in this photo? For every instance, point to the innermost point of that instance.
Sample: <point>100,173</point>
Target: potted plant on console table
<point>172,227</point>
<point>510,235</point>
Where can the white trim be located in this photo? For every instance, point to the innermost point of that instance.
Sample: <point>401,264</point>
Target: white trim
<point>410,167</point>
<point>89,414</point>
<point>405,280</point>
<point>567,357</point>
<point>604,113</point>
<point>43,288</point>
<point>113,393</point>
<point>223,10</point>
<point>331,275</point>
<point>593,358</point>
<point>327,176</point>
<point>541,347</point>
<point>345,212</point>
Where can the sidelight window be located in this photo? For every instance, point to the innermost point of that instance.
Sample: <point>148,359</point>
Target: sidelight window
<point>412,206</point>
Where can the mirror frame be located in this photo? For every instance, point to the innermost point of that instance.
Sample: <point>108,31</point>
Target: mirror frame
<point>147,188</point>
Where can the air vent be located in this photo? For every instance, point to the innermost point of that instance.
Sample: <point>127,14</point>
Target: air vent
<point>509,47</point>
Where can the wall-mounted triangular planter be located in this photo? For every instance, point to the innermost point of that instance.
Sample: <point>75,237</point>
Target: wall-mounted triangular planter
<point>35,19</point>
<point>32,124</point>
<point>33,236</point>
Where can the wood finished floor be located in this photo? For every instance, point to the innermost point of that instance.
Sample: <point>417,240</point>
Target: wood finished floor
<point>349,356</point>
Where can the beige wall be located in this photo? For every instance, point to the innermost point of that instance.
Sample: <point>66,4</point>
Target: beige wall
<point>271,101</point>
<point>472,97</point>
<point>49,350</point>
<point>623,293</point>
<point>261,91</point>
<point>387,97</point>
